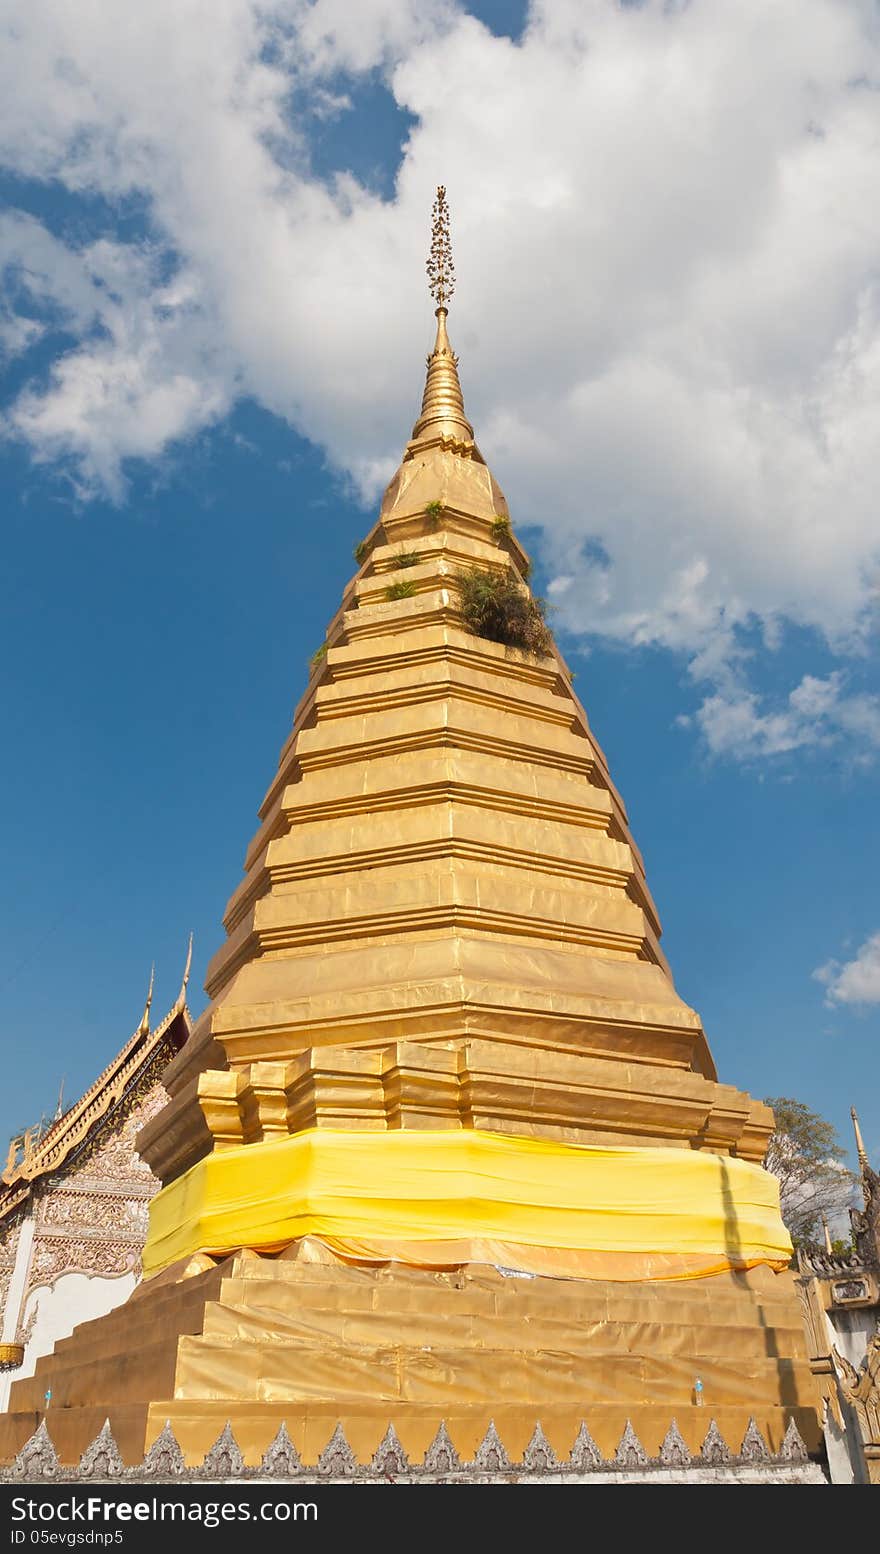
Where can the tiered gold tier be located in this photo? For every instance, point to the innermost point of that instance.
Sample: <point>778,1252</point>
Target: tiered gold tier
<point>260,1340</point>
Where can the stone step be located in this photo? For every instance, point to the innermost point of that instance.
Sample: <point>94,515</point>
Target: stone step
<point>333,1289</point>
<point>731,1294</point>
<point>178,1310</point>
<point>261,1317</point>
<point>572,1300</point>
<point>264,1309</point>
<point>127,1375</point>
<point>437,1375</point>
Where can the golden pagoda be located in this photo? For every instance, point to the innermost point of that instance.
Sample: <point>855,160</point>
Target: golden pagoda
<point>446,1147</point>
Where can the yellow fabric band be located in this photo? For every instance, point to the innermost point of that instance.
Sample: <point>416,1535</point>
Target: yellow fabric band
<point>443,1197</point>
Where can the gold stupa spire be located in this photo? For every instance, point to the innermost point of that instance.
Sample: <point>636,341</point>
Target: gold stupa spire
<point>443,412</point>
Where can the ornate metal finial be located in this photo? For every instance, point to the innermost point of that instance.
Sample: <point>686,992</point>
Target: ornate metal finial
<point>860,1143</point>
<point>181,997</point>
<point>440,268</point>
<point>144,1029</point>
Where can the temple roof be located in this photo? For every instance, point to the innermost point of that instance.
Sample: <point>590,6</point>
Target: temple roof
<point>82,1121</point>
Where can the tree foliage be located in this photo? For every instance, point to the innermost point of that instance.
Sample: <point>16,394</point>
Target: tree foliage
<point>806,1156</point>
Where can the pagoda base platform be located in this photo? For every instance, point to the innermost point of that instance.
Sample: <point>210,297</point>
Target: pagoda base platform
<point>305,1338</point>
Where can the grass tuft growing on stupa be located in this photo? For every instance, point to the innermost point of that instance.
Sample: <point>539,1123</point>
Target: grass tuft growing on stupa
<point>404,589</point>
<point>498,608</point>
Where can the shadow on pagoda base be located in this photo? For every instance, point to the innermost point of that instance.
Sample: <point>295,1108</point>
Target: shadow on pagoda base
<point>306,1338</point>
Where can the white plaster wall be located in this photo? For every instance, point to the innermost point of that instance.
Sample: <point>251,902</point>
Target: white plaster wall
<point>849,1329</point>
<point>60,1307</point>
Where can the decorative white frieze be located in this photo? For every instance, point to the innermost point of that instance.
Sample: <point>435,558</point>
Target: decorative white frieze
<point>585,1455</point>
<point>389,1458</point>
<point>793,1448</point>
<point>337,1460</point>
<point>38,1457</point>
<point>674,1452</point>
<point>441,1456</point>
<point>754,1447</point>
<point>714,1451</point>
<point>539,1456</point>
<point>630,1453</point>
<point>102,1459</point>
<point>281,1458</point>
<point>164,1458</point>
<point>224,1460</point>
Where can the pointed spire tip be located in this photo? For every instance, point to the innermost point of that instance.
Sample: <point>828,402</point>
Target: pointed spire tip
<point>145,1017</point>
<point>860,1143</point>
<point>181,997</point>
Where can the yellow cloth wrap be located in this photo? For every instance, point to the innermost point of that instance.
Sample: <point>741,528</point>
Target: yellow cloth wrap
<point>440,1198</point>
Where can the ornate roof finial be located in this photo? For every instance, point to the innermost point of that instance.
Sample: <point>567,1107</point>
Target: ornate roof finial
<point>144,1029</point>
<point>828,1247</point>
<point>443,419</point>
<point>860,1143</point>
<point>440,268</point>
<point>181,997</point>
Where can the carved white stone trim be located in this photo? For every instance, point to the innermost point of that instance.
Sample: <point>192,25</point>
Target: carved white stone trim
<point>224,1460</point>
<point>793,1448</point>
<point>441,1456</point>
<point>754,1447</point>
<point>389,1457</point>
<point>539,1456</point>
<point>281,1458</point>
<point>164,1458</point>
<point>714,1451</point>
<point>585,1454</point>
<point>630,1452</point>
<point>337,1459</point>
<point>490,1454</point>
<point>102,1459</point>
<point>674,1452</point>
<point>38,1457</point>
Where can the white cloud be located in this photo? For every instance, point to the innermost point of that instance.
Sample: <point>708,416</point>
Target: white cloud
<point>667,237</point>
<point>147,370</point>
<point>855,981</point>
<point>817,712</point>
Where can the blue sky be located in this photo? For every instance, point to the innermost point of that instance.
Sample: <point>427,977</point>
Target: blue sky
<point>204,389</point>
